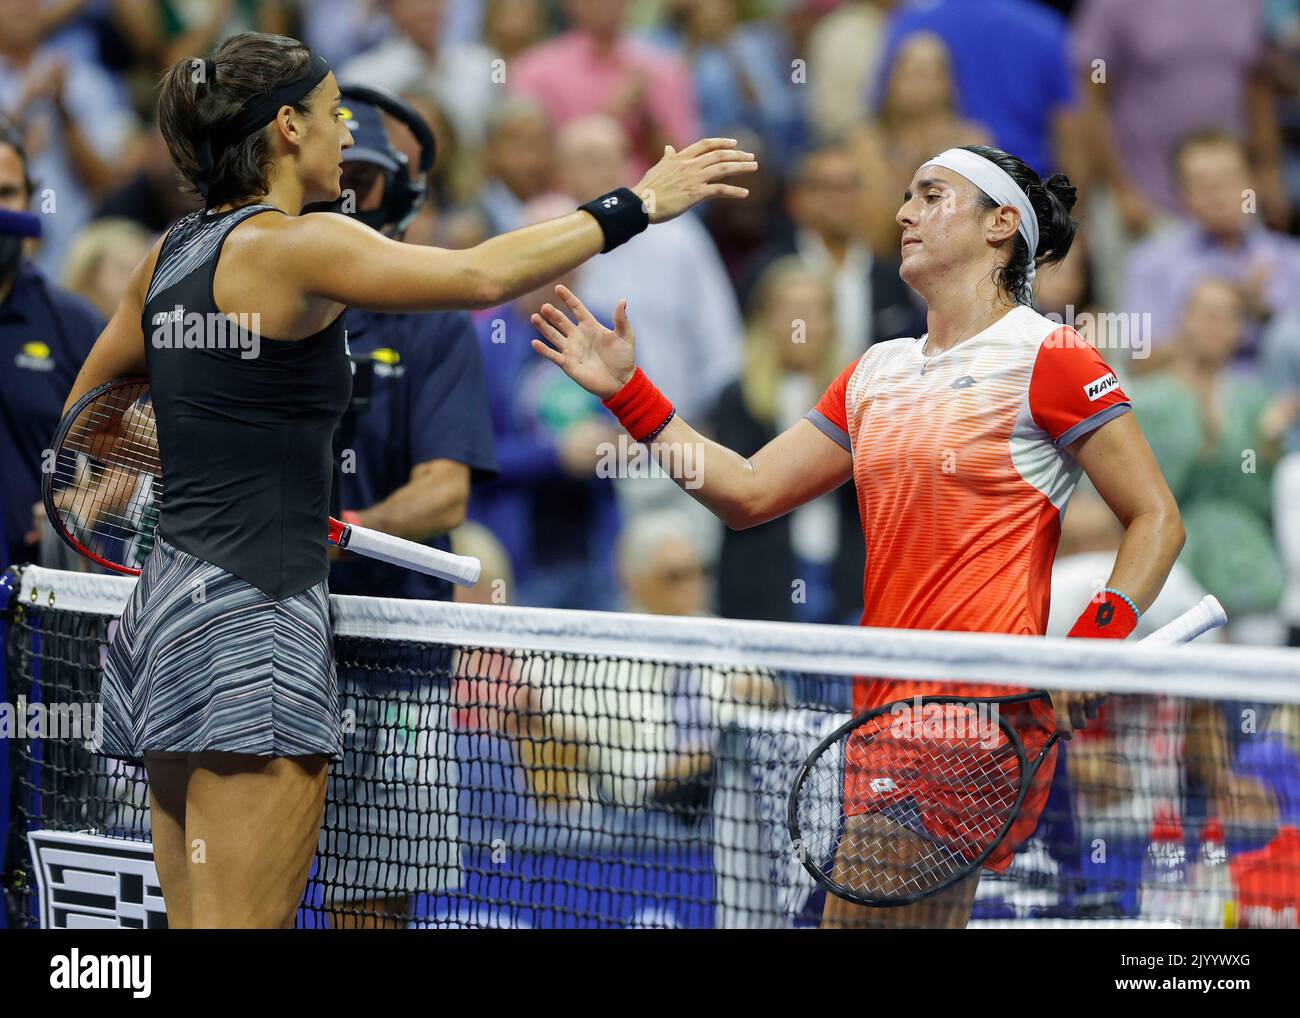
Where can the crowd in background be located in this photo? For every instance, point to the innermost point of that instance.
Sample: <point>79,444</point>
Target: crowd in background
<point>1179,121</point>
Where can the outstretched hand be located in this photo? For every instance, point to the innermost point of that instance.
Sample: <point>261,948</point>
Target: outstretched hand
<point>598,359</point>
<point>681,180</point>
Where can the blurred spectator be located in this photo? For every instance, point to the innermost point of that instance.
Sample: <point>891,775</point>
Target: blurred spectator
<point>1011,63</point>
<point>1283,62</point>
<point>1217,442</point>
<point>1281,360</point>
<point>171,30</point>
<point>871,300</point>
<point>744,75</point>
<point>101,261</point>
<point>805,566</point>
<point>518,165</point>
<point>495,579</point>
<point>1128,763</point>
<point>340,29</point>
<point>511,26</point>
<point>660,567</point>
<point>689,323</point>
<point>416,58</point>
<point>1221,236</point>
<point>918,119</point>
<point>417,430</point>
<point>1168,67</point>
<point>742,230</point>
<point>595,67</point>
<point>45,334</point>
<point>557,519</point>
<point>152,194</point>
<point>843,63</point>
<point>70,119</point>
<point>690,332</point>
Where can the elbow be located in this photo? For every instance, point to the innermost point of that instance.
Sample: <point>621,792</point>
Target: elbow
<point>483,288</point>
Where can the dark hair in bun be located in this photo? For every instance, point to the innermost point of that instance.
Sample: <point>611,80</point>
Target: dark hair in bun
<point>1052,200</point>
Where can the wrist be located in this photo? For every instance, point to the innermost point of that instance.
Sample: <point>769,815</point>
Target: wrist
<point>641,408</point>
<point>621,214</point>
<point>1110,615</point>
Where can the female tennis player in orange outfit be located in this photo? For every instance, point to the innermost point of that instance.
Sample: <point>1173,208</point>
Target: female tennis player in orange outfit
<point>964,443</point>
<point>221,675</point>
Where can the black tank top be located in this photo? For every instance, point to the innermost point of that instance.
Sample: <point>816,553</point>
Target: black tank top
<point>244,422</point>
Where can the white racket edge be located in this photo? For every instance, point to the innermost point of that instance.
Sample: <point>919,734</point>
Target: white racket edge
<point>398,551</point>
<point>1203,616</point>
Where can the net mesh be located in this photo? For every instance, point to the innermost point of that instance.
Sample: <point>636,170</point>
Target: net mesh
<point>515,767</point>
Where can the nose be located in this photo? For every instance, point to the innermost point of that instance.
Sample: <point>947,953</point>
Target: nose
<point>905,216</point>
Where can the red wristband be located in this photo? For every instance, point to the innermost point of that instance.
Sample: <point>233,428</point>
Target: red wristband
<point>1108,616</point>
<point>641,408</point>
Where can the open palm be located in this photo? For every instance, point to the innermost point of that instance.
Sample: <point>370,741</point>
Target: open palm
<point>598,359</point>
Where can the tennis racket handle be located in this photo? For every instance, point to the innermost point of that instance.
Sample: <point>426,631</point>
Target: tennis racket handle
<point>1205,615</point>
<point>400,552</point>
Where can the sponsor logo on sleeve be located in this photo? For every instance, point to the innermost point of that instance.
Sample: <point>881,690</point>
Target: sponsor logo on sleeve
<point>1094,390</point>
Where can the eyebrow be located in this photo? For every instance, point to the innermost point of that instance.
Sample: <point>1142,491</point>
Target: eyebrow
<point>921,185</point>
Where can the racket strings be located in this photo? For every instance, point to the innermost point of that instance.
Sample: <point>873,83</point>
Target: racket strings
<point>889,816</point>
<point>106,476</point>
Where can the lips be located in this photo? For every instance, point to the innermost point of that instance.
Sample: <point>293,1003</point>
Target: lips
<point>910,240</point>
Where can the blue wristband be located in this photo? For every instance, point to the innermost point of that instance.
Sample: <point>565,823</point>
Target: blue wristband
<point>1125,598</point>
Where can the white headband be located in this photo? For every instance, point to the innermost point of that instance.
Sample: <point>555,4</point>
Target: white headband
<point>994,181</point>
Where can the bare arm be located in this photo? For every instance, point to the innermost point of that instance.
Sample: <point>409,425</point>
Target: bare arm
<point>339,259</point>
<point>431,503</point>
<point>795,467</point>
<point>1120,464</point>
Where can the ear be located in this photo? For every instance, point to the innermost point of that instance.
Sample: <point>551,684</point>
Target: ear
<point>1001,223</point>
<point>288,125</point>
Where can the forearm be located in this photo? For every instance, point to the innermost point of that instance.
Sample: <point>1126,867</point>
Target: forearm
<point>429,505</point>
<point>1150,547</point>
<point>722,481</point>
<point>516,263</point>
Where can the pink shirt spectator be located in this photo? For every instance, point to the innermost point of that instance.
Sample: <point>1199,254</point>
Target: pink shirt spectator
<point>573,78</point>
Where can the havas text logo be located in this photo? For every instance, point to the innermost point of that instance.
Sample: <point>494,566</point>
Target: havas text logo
<point>76,971</point>
<point>179,329</point>
<point>1097,388</point>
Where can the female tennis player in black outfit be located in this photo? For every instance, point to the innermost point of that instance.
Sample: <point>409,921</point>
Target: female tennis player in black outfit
<point>221,674</point>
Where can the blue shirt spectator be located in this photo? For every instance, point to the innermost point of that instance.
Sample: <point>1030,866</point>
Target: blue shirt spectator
<point>1011,62</point>
<point>419,394</point>
<point>45,334</point>
<point>558,523</point>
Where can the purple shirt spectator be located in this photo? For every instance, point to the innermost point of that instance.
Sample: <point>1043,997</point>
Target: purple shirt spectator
<point>1163,270</point>
<point>1172,66</point>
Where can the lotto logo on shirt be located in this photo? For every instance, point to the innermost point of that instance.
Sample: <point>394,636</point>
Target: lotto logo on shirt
<point>35,357</point>
<point>1096,389</point>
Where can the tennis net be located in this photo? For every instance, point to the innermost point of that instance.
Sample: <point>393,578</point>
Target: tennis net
<point>533,768</point>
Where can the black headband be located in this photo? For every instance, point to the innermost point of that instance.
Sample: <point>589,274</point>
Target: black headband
<point>253,115</point>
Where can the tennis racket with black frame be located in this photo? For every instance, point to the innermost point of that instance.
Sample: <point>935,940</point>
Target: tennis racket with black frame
<point>936,784</point>
<point>103,490</point>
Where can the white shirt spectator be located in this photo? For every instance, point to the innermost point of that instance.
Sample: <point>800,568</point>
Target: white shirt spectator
<point>690,337</point>
<point>92,103</point>
<point>459,79</point>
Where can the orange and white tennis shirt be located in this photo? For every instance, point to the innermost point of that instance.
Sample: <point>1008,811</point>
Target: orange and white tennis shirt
<point>962,472</point>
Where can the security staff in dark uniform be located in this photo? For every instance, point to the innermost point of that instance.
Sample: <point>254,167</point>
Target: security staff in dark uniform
<point>45,334</point>
<point>418,429</point>
<point>417,432</point>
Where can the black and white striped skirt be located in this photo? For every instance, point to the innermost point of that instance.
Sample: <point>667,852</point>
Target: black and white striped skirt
<point>204,661</point>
